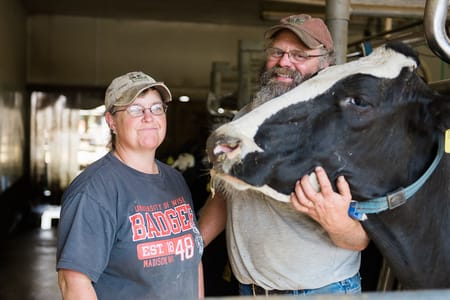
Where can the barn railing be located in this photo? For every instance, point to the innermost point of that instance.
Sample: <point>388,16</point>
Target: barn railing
<point>435,18</point>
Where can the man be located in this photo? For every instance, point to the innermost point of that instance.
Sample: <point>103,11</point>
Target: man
<point>308,246</point>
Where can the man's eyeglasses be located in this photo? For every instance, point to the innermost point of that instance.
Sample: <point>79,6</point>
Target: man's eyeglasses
<point>136,110</point>
<point>294,55</point>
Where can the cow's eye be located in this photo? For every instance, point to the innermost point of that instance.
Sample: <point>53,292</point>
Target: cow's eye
<point>355,101</point>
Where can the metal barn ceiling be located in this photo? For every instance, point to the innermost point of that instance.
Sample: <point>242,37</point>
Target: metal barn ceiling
<point>247,12</point>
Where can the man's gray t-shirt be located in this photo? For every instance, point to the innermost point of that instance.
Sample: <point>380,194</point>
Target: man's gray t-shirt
<point>273,246</point>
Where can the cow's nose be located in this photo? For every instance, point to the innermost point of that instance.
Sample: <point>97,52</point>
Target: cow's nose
<point>225,147</point>
<point>222,147</point>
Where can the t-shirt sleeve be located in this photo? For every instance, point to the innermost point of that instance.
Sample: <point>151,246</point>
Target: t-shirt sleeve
<point>85,236</point>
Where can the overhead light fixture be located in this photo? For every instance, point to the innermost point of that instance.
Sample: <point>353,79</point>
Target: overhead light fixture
<point>184,98</point>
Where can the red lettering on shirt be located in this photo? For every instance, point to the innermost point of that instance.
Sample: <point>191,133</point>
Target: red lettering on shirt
<point>182,246</point>
<point>152,229</point>
<point>148,225</point>
<point>162,222</point>
<point>174,220</point>
<point>138,227</point>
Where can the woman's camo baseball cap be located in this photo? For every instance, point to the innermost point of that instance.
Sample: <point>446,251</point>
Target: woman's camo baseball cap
<point>124,89</point>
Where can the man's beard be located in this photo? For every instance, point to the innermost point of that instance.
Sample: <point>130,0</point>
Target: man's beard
<point>272,88</point>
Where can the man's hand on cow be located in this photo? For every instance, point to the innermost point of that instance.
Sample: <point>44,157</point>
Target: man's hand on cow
<point>326,206</point>
<point>329,209</point>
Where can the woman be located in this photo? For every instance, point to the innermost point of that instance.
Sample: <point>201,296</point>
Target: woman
<point>127,228</point>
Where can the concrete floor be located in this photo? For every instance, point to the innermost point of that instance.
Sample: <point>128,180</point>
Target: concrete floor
<point>27,266</point>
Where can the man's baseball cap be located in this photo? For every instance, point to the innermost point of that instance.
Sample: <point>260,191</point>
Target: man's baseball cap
<point>311,31</point>
<point>124,89</point>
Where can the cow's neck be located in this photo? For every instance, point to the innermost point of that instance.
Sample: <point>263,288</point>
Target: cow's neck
<point>402,195</point>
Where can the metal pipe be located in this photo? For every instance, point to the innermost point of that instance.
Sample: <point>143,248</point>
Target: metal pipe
<point>385,33</point>
<point>435,16</point>
<point>337,18</point>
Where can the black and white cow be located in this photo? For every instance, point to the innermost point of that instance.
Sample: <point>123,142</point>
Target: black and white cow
<point>376,122</point>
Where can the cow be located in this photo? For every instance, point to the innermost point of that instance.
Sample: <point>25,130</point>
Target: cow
<point>378,123</point>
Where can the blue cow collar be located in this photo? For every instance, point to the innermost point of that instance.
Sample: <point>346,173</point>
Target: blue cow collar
<point>359,209</point>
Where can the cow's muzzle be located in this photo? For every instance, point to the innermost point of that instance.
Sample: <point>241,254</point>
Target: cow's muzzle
<point>223,152</point>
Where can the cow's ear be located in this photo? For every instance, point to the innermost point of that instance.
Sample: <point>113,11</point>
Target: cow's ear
<point>403,49</point>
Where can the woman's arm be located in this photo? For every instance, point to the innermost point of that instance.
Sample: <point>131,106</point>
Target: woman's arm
<point>201,285</point>
<point>75,285</point>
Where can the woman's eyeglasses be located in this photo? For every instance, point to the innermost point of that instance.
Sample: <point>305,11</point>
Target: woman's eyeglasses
<point>136,110</point>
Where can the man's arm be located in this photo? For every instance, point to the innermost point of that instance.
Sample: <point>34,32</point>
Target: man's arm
<point>330,210</point>
<point>75,285</point>
<point>213,217</point>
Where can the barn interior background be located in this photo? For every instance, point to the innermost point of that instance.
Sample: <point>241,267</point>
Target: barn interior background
<point>58,56</point>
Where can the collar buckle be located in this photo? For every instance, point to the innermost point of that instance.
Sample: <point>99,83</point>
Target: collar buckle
<point>396,198</point>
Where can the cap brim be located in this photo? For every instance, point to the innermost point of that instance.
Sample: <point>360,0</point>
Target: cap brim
<point>303,35</point>
<point>137,90</point>
<point>162,89</point>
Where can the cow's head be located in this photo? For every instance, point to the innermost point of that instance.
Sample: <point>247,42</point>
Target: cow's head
<point>367,120</point>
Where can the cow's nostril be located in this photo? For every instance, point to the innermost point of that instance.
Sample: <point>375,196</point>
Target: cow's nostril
<point>223,149</point>
<point>219,149</point>
<point>225,145</point>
